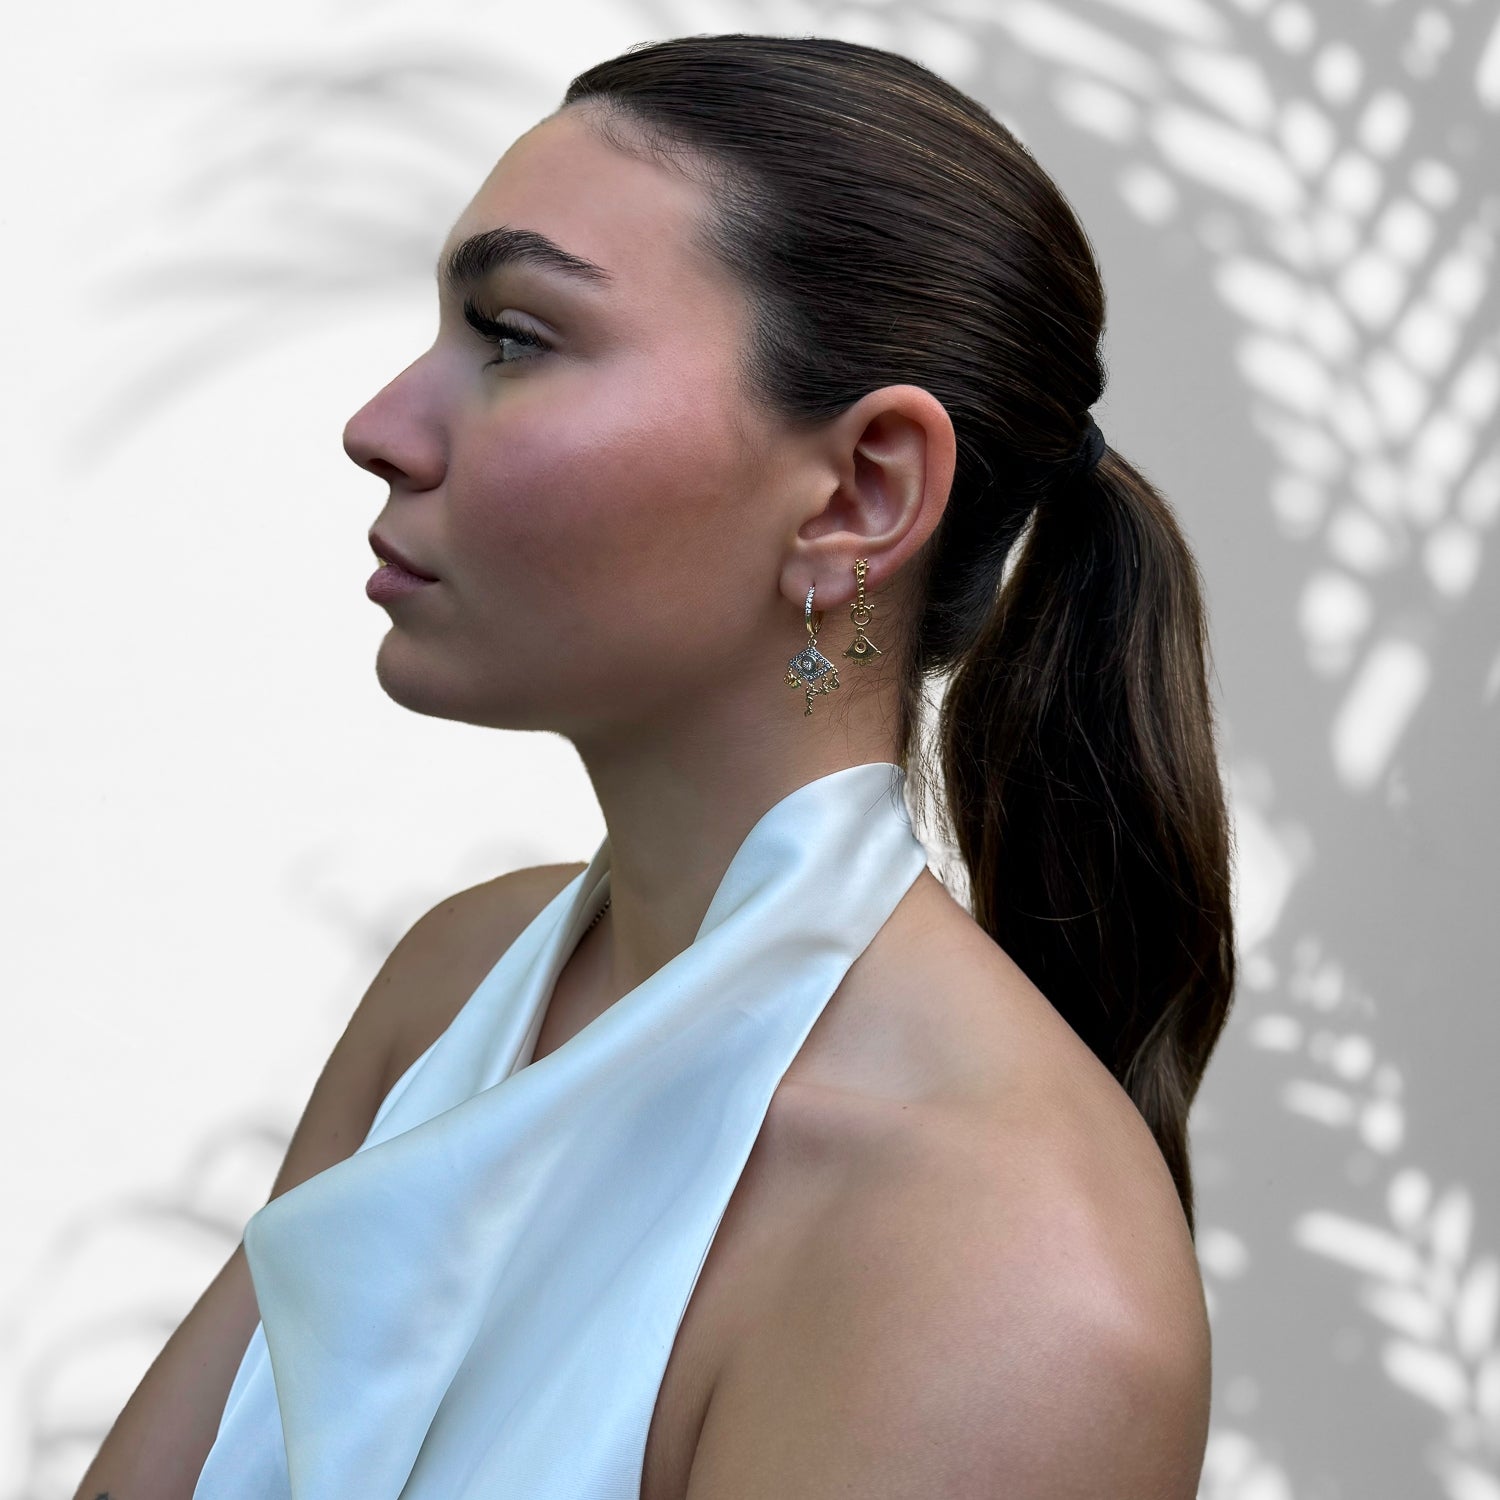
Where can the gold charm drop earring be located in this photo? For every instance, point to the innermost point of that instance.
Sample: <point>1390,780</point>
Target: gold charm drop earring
<point>862,648</point>
<point>809,668</point>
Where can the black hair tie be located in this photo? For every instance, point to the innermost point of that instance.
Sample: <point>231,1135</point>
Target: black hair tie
<point>1089,451</point>
<point>1043,474</point>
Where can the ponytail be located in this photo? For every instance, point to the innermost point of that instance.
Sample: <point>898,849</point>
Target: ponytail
<point>1082,783</point>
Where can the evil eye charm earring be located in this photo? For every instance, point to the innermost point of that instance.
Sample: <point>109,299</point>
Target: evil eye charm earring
<point>809,668</point>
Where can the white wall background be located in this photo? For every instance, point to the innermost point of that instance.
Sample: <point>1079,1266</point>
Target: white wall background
<point>217,230</point>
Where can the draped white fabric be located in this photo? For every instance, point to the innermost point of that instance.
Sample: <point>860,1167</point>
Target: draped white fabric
<point>481,1301</point>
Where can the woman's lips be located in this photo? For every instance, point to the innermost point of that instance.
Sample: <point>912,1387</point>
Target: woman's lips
<point>389,581</point>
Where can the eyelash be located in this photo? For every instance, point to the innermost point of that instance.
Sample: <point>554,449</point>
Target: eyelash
<point>495,332</point>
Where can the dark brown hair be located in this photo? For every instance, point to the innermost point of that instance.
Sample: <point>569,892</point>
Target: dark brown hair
<point>888,230</point>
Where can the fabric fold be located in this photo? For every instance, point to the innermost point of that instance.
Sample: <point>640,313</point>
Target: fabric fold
<point>482,1299</point>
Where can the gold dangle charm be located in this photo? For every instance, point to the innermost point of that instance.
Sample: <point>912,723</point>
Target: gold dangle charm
<point>862,648</point>
<point>809,668</point>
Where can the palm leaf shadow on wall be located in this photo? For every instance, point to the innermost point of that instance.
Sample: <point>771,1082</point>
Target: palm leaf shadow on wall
<point>309,193</point>
<point>1323,179</point>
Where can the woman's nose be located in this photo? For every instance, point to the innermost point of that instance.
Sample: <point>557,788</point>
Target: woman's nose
<point>395,437</point>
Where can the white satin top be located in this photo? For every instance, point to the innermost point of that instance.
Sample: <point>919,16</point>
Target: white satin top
<point>482,1299</point>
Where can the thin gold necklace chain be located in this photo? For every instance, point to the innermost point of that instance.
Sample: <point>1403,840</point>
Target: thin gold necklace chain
<point>602,910</point>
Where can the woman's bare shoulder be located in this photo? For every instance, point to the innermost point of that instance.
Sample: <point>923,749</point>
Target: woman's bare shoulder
<point>961,1279</point>
<point>943,1070</point>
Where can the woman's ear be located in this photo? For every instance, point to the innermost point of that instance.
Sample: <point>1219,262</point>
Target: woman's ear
<point>894,452</point>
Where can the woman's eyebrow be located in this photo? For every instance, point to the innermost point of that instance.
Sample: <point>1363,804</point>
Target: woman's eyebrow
<point>481,254</point>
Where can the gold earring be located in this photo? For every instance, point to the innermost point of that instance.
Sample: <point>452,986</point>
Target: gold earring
<point>809,668</point>
<point>862,648</point>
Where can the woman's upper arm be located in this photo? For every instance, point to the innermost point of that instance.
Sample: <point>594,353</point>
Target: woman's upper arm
<point>162,1436</point>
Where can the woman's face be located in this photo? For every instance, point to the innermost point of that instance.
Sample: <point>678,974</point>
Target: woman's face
<point>606,515</point>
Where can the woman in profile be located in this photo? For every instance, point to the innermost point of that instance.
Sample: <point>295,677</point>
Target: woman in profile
<point>789,1174</point>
